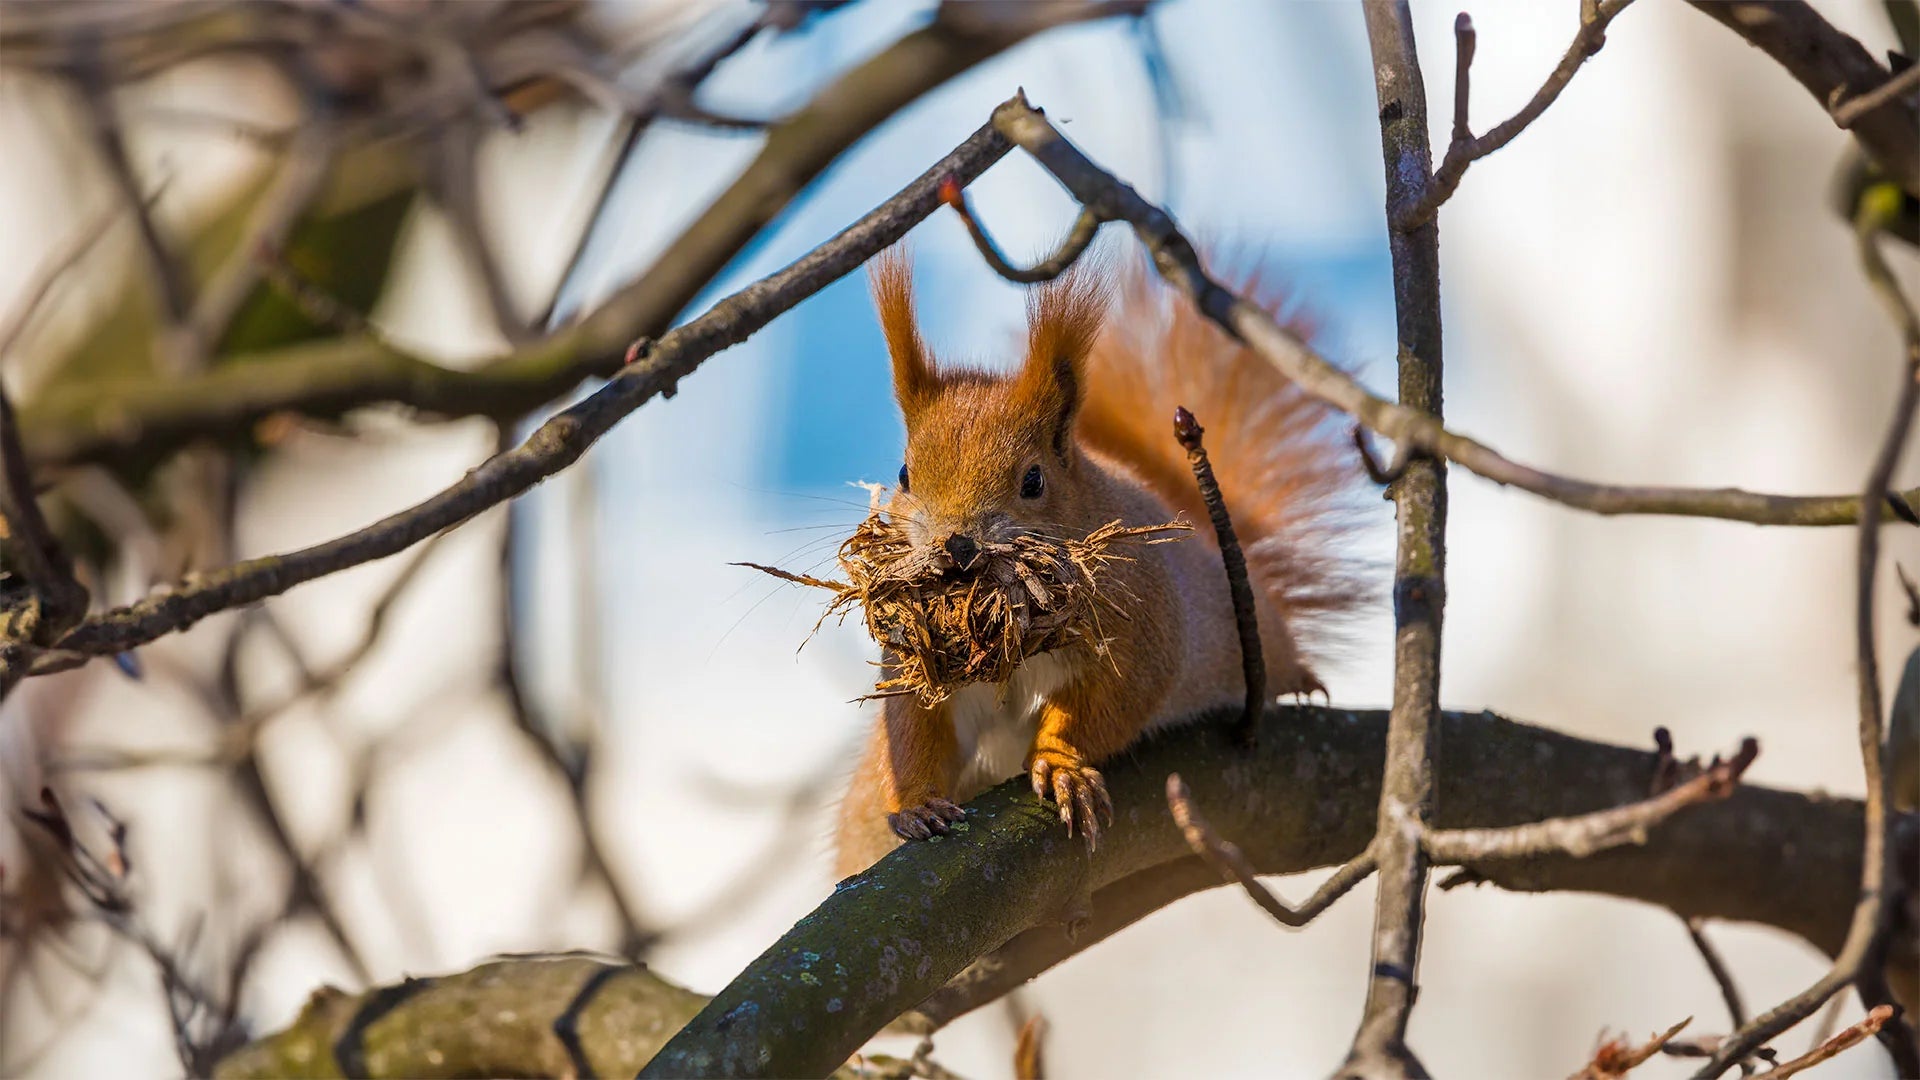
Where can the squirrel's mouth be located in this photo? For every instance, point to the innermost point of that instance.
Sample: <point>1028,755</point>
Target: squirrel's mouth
<point>944,625</point>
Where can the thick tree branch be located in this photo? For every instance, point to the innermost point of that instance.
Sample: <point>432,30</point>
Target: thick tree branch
<point>1301,799</point>
<point>1413,430</point>
<point>1835,69</point>
<point>137,420</point>
<point>498,1019</point>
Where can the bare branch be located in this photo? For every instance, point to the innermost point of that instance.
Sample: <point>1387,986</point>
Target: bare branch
<point>1464,150</point>
<point>178,350</point>
<point>1253,664</point>
<point>1419,567</point>
<point>1232,864</point>
<point>1848,1038</point>
<point>1722,976</point>
<point>27,536</point>
<point>1464,42</point>
<point>1085,227</point>
<point>1299,799</point>
<point>453,162</point>
<point>557,443</point>
<point>572,765</point>
<point>1616,1058</point>
<point>1414,430</point>
<point>140,419</point>
<point>1582,836</point>
<point>1370,463</point>
<point>635,124</point>
<point>302,172</point>
<point>1849,111</point>
<point>63,260</point>
<point>1835,68</point>
<point>1870,921</point>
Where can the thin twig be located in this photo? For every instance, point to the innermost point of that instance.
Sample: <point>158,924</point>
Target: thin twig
<point>1849,111</point>
<point>1848,1038</point>
<point>1895,1034</point>
<point>1253,663</point>
<point>143,419</point>
<point>296,184</point>
<point>1226,858</point>
<point>634,125</point>
<point>1464,41</point>
<point>1086,226</point>
<point>178,350</point>
<point>313,300</point>
<point>1588,834</point>
<point>1829,1020</point>
<point>1870,922</point>
<point>34,547</point>
<point>326,681</point>
<point>1384,475</point>
<point>57,266</point>
<point>1616,1058</point>
<point>453,162</point>
<point>1722,977</point>
<point>573,764</point>
<point>1464,150</point>
<point>31,542</point>
<point>102,881</point>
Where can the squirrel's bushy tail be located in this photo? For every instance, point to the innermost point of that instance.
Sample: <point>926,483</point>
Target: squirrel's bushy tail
<point>1286,469</point>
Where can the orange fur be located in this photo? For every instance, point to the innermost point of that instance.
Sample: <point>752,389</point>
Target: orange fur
<point>1090,411</point>
<point>1281,474</point>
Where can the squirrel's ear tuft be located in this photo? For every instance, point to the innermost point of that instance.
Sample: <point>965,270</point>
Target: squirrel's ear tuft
<point>1063,319</point>
<point>914,381</point>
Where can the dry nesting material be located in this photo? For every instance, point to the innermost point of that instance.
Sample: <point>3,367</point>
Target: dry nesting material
<point>942,628</point>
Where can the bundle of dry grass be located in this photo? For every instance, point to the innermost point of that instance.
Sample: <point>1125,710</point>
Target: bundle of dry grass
<point>943,628</point>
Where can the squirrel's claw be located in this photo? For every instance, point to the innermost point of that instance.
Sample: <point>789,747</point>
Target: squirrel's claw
<point>931,818</point>
<point>1080,792</point>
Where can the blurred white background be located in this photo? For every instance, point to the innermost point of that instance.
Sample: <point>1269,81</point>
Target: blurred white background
<point>1647,286</point>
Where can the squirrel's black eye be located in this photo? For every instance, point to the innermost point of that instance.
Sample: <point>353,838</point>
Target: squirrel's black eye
<point>1031,484</point>
<point>903,478</point>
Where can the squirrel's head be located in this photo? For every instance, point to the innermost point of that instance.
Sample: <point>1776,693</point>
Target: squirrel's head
<point>991,456</point>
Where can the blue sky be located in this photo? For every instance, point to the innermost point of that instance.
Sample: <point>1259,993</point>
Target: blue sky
<point>1221,137</point>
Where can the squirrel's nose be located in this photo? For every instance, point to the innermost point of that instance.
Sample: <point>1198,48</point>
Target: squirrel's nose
<point>963,550</point>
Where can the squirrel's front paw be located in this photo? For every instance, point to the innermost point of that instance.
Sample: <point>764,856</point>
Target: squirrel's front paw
<point>930,818</point>
<point>1077,787</point>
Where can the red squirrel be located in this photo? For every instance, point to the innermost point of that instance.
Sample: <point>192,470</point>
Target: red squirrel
<point>1078,435</point>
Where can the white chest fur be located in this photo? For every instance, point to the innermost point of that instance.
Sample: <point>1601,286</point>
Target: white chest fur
<point>995,723</point>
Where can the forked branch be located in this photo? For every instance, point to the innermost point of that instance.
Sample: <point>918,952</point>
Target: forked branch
<point>1465,149</point>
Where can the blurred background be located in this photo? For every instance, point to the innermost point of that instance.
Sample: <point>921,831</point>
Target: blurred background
<point>1648,286</point>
